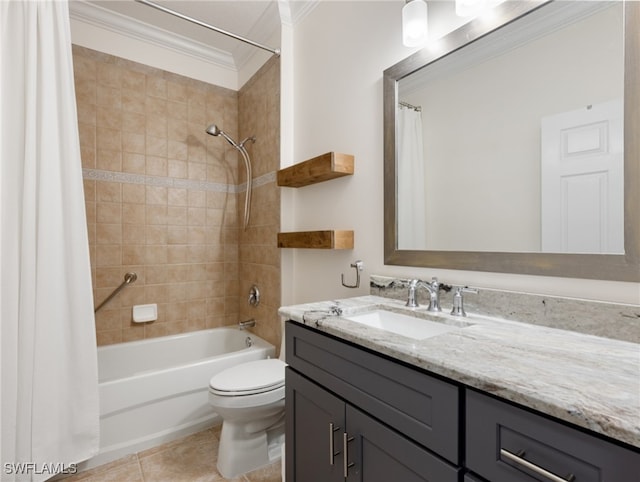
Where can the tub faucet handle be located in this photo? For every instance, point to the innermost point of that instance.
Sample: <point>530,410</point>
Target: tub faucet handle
<point>254,296</point>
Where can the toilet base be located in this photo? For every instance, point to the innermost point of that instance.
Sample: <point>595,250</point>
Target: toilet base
<point>241,451</point>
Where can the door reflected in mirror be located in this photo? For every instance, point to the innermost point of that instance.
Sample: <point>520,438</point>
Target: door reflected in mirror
<point>514,143</point>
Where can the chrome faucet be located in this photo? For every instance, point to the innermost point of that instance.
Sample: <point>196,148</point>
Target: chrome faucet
<point>434,294</point>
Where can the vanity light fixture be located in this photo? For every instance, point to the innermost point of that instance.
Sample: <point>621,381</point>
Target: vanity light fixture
<point>414,23</point>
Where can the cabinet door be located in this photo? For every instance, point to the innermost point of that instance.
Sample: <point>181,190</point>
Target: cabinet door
<point>314,424</point>
<point>376,453</point>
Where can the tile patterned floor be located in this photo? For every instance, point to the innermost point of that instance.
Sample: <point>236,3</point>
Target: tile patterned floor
<point>189,459</point>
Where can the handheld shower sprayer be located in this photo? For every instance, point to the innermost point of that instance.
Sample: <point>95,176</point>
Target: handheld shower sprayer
<point>214,130</point>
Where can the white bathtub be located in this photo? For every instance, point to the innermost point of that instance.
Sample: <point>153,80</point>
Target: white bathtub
<point>153,391</point>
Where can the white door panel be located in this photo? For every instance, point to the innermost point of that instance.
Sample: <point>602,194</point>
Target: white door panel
<point>583,180</point>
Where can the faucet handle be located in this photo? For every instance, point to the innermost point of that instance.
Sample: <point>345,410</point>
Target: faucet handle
<point>412,302</point>
<point>458,301</point>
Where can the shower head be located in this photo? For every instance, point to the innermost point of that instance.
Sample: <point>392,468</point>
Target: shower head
<point>214,130</point>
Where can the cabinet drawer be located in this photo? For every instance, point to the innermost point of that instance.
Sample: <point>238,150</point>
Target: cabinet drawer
<point>421,407</point>
<point>509,444</point>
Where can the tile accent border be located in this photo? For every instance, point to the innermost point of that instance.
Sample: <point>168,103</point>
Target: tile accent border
<point>260,181</point>
<point>160,181</point>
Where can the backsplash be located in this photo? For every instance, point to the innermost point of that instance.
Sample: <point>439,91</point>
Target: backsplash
<point>609,320</point>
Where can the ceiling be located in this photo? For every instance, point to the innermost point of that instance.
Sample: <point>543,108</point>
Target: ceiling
<point>257,20</point>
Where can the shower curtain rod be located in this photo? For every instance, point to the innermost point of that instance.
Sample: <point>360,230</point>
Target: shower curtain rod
<point>410,106</point>
<point>275,51</point>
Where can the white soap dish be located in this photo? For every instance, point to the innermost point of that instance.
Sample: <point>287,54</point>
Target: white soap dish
<point>145,313</point>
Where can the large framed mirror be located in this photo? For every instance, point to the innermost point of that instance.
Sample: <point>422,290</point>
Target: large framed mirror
<point>513,144</point>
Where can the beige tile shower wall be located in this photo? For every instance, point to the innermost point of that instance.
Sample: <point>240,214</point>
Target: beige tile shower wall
<point>259,116</point>
<point>155,189</point>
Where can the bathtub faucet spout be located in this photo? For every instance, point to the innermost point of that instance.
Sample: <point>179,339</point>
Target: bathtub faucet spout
<point>250,323</point>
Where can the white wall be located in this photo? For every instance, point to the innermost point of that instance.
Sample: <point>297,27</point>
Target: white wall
<point>337,56</point>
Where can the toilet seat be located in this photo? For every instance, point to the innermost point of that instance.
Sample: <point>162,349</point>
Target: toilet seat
<point>249,378</point>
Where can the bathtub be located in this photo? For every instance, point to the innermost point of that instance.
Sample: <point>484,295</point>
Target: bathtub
<point>153,391</point>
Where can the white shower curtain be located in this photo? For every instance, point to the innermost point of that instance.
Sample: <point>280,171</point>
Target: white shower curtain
<point>49,392</point>
<point>411,205</point>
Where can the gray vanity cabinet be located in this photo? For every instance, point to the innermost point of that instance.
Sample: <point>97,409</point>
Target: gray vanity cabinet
<point>399,423</point>
<point>392,421</point>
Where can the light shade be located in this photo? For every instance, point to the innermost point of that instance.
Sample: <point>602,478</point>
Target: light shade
<point>414,23</point>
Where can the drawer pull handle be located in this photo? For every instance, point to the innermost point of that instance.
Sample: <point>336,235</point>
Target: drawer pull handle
<point>332,452</point>
<point>345,440</point>
<point>517,458</point>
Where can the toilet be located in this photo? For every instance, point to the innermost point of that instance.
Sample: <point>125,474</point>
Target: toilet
<point>250,399</point>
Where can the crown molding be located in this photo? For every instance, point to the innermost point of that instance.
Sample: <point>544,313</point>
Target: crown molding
<point>123,25</point>
<point>292,12</point>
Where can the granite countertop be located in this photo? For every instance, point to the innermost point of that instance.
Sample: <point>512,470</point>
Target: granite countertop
<point>585,380</point>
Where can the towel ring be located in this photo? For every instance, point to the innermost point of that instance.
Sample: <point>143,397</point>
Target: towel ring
<point>358,266</point>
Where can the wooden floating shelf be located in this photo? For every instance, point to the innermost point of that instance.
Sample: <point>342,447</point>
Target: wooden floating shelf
<point>322,168</point>
<point>328,239</point>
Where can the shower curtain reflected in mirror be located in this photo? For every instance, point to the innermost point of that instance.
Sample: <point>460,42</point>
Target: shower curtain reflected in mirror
<point>411,204</point>
<point>49,395</point>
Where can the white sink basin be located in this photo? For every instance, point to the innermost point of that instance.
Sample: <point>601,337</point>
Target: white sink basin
<point>404,325</point>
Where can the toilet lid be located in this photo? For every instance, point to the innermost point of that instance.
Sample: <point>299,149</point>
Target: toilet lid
<point>251,377</point>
